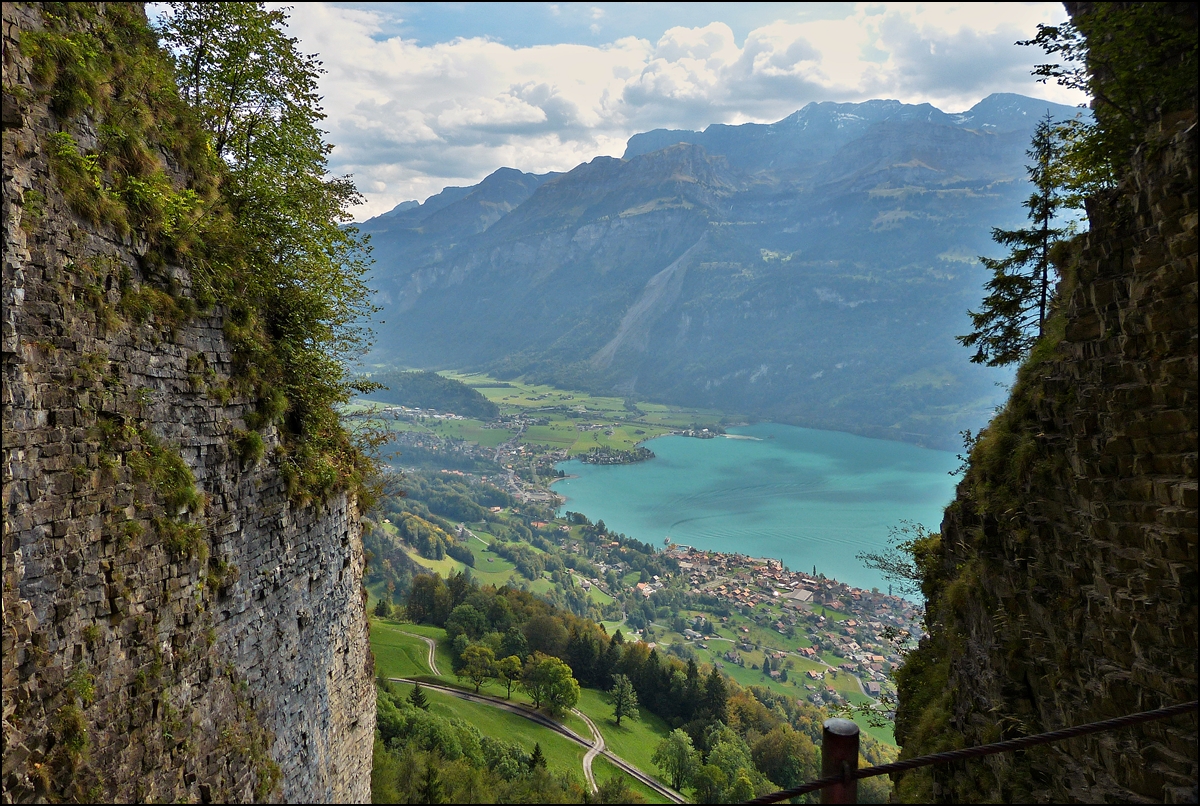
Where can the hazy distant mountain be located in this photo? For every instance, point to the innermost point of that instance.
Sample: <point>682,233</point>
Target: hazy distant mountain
<point>813,270</point>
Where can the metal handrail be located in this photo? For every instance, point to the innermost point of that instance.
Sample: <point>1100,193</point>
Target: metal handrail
<point>839,751</point>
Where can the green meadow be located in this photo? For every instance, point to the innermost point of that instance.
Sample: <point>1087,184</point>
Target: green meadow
<point>562,755</point>
<point>400,655</point>
<point>635,740</point>
<point>603,769</point>
<point>577,421</point>
<point>396,654</point>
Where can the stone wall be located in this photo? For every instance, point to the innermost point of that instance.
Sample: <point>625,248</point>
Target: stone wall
<point>1066,583</point>
<point>236,670</point>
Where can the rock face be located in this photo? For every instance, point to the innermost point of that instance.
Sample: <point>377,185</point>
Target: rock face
<point>1064,589</point>
<point>234,667</point>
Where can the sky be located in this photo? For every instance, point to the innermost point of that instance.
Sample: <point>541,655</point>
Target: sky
<point>421,96</point>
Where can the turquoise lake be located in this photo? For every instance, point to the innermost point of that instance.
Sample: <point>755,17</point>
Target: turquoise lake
<point>809,497</point>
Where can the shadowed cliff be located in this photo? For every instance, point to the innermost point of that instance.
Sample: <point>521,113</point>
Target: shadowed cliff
<point>1062,589</point>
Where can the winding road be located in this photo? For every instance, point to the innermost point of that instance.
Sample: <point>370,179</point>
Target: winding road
<point>432,651</point>
<point>594,747</point>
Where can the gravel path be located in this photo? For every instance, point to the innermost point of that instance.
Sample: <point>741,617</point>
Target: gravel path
<point>432,650</point>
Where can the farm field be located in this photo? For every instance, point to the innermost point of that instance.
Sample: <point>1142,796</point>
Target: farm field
<point>529,395</point>
<point>471,431</point>
<point>607,420</point>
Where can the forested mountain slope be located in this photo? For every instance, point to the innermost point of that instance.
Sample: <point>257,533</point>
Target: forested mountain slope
<point>814,270</point>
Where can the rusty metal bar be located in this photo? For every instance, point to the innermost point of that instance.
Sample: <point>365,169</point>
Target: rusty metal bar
<point>839,756</point>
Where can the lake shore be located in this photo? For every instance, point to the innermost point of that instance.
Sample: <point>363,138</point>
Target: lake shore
<point>809,497</point>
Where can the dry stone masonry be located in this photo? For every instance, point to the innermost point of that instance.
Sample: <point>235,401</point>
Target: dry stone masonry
<point>232,667</point>
<point>1076,599</point>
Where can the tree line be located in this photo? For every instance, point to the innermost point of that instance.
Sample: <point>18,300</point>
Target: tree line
<point>726,743</point>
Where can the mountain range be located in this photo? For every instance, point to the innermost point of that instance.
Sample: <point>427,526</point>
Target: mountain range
<point>812,271</point>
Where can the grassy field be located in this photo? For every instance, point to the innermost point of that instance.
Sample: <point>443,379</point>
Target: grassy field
<point>635,740</point>
<point>443,566</point>
<point>885,734</point>
<point>561,753</point>
<point>612,626</point>
<point>542,586</point>
<point>595,594</point>
<point>832,615</point>
<point>489,569</point>
<point>397,655</point>
<point>520,395</point>
<point>437,633</point>
<point>603,769</point>
<point>472,431</point>
<point>746,676</point>
<point>621,428</point>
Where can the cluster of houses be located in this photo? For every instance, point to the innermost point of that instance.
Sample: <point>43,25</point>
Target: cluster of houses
<point>410,414</point>
<point>647,588</point>
<point>747,582</point>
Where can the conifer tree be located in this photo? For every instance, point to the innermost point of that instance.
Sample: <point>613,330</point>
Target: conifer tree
<point>716,695</point>
<point>1013,314</point>
<point>417,697</point>
<point>537,759</point>
<point>431,787</point>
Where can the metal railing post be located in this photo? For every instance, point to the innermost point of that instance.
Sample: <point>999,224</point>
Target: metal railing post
<point>839,756</point>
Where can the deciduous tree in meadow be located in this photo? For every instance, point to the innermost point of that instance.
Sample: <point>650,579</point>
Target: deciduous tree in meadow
<point>479,665</point>
<point>623,698</point>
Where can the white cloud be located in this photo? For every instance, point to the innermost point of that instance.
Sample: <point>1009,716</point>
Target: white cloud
<point>409,119</point>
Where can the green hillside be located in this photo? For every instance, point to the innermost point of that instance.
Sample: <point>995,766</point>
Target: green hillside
<point>429,390</point>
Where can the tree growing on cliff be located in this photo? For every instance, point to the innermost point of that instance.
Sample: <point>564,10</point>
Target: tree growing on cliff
<point>1137,61</point>
<point>1013,314</point>
<point>290,268</point>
